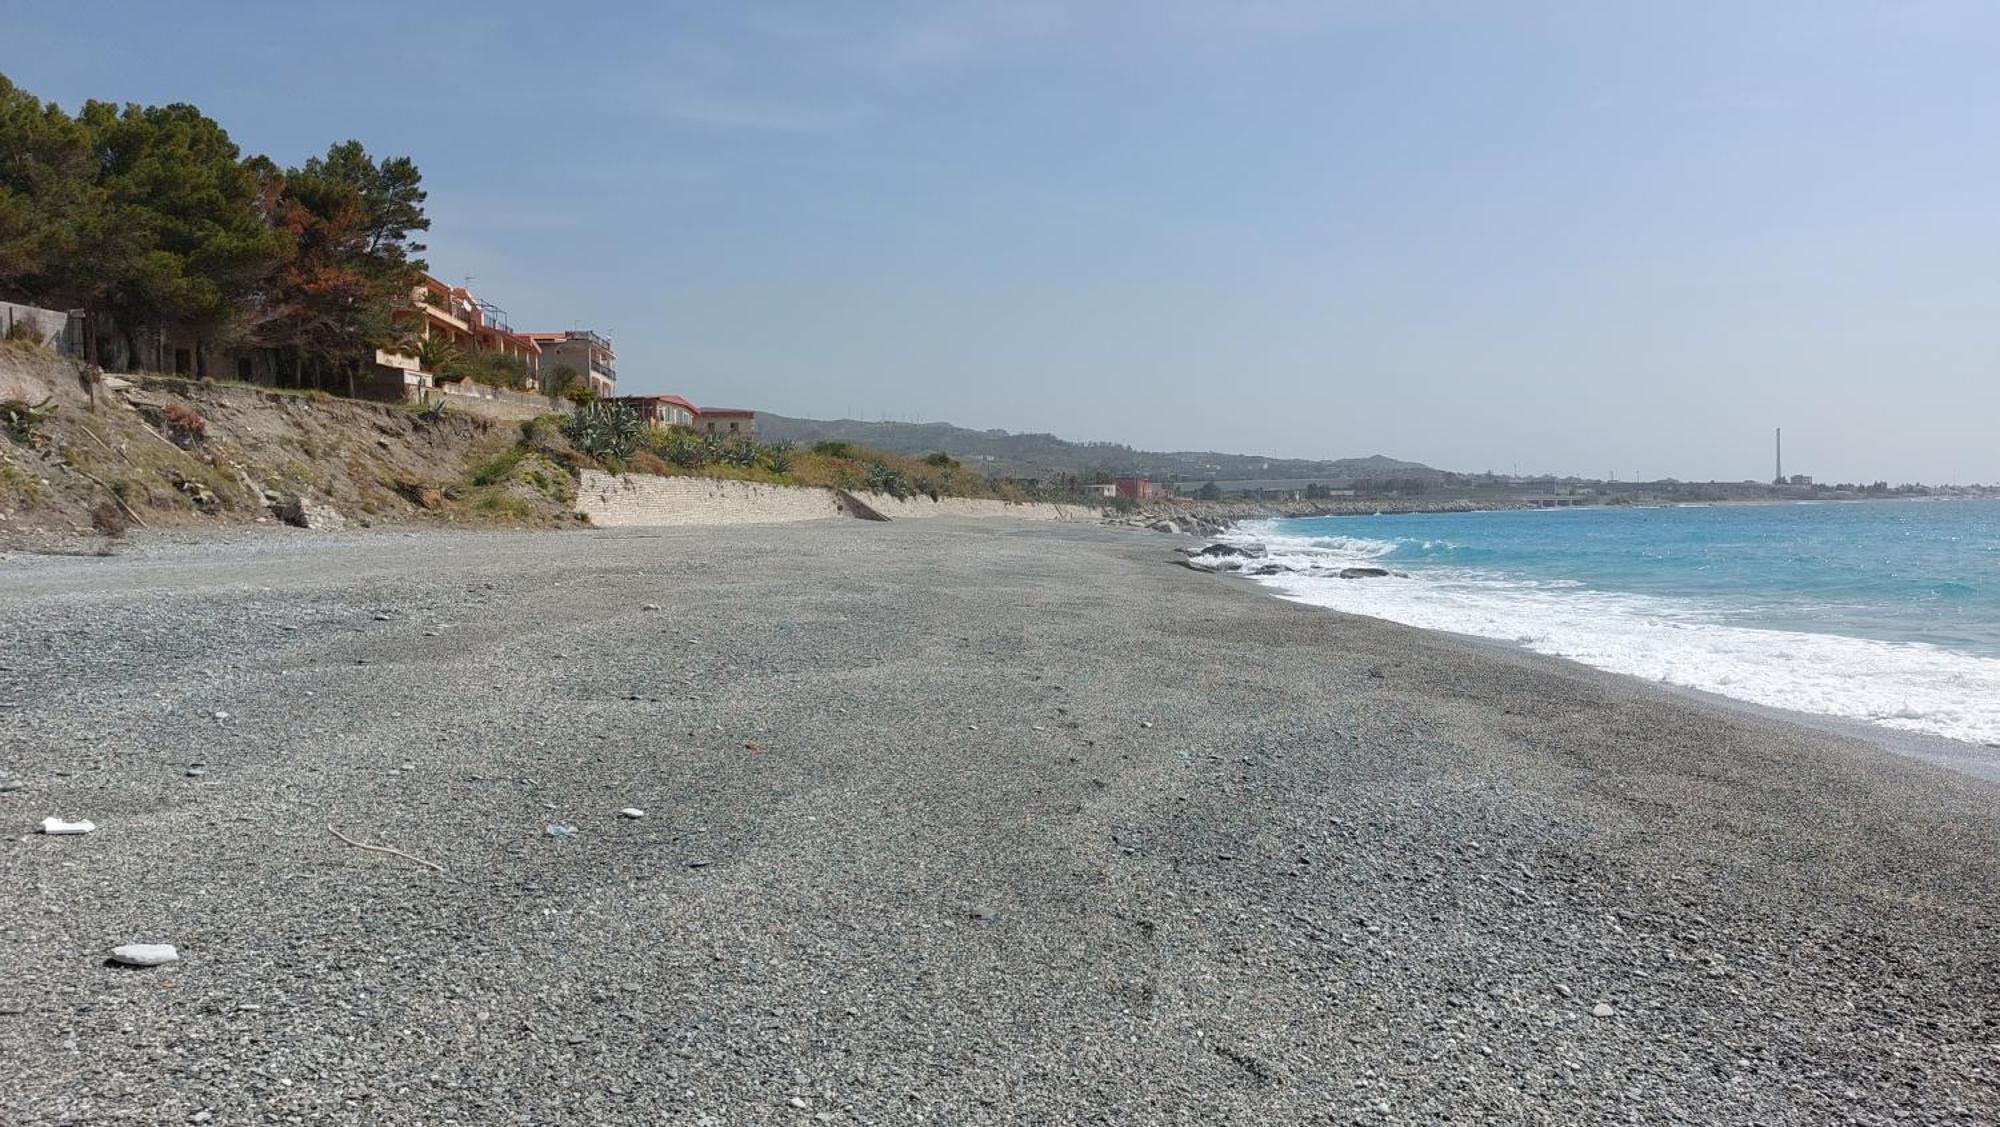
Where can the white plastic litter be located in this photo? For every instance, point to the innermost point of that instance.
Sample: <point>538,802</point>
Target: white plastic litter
<point>58,826</point>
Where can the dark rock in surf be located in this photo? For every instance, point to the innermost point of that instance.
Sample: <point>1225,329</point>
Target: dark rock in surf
<point>1364,572</point>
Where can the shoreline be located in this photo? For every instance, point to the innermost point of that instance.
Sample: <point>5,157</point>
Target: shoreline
<point>1969,757</point>
<point>1782,668</point>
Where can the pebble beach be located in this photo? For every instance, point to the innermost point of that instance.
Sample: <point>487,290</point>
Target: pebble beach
<point>946,821</point>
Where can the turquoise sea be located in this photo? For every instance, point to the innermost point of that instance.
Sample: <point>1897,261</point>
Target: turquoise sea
<point>1884,611</point>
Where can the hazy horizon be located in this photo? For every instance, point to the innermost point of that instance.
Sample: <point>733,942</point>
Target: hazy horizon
<point>1570,238</point>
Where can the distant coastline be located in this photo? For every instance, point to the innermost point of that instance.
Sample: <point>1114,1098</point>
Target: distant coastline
<point>1230,514</point>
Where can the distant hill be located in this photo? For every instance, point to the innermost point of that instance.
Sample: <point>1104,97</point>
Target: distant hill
<point>1000,453</point>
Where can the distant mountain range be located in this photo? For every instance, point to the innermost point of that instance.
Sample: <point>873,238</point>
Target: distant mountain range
<point>999,453</point>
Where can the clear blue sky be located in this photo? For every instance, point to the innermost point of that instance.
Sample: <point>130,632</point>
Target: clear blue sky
<point>1580,237</point>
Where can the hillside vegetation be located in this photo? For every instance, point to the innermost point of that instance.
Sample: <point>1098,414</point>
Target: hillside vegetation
<point>611,438</point>
<point>82,456</point>
<point>999,453</point>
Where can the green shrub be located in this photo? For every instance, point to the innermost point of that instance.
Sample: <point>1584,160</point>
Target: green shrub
<point>21,421</point>
<point>490,367</point>
<point>738,452</point>
<point>498,466</point>
<point>561,381</point>
<point>538,429</point>
<point>941,460</point>
<point>504,507</point>
<point>778,459</point>
<point>832,448</point>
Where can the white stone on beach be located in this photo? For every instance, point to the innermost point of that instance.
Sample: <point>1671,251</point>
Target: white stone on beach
<point>146,954</point>
<point>631,812</point>
<point>58,826</point>
<point>1602,1009</point>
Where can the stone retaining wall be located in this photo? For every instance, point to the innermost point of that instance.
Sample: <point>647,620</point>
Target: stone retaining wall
<point>640,499</point>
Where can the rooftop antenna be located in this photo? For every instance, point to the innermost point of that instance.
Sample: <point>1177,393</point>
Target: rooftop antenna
<point>1778,449</point>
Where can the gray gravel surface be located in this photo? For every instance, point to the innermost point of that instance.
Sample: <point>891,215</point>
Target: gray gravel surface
<point>945,823</point>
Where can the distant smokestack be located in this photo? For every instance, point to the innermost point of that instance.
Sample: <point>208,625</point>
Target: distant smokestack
<point>1778,440</point>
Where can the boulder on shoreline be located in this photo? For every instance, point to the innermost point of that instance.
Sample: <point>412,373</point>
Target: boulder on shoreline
<point>1232,551</point>
<point>1364,572</point>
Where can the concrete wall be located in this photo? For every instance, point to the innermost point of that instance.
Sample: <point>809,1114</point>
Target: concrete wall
<point>52,326</point>
<point>920,507</point>
<point>641,499</point>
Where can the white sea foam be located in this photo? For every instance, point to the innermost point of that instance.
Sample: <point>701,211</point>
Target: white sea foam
<point>1905,685</point>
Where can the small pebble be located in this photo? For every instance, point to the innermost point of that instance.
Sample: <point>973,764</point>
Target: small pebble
<point>1602,1009</point>
<point>798,1102</point>
<point>195,772</point>
<point>222,716</point>
<point>557,829</point>
<point>631,812</point>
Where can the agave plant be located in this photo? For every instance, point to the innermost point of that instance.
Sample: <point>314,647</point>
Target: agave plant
<point>738,452</point>
<point>888,479</point>
<point>605,430</point>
